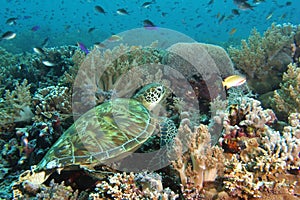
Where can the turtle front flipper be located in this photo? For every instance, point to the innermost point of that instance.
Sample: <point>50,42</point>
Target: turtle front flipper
<point>162,157</point>
<point>168,132</point>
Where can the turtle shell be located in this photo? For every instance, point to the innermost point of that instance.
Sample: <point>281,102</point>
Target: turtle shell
<point>105,133</point>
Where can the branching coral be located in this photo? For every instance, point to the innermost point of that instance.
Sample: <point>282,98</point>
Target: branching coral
<point>50,101</point>
<point>132,186</point>
<point>7,58</point>
<point>263,157</point>
<point>15,106</point>
<point>54,191</point>
<point>262,165</point>
<point>263,58</point>
<point>68,78</point>
<point>287,98</point>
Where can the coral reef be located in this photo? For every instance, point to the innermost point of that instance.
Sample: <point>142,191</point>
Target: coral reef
<point>7,58</point>
<point>111,186</point>
<point>17,67</point>
<point>29,144</point>
<point>50,101</point>
<point>264,58</point>
<point>286,100</point>
<point>296,48</point>
<point>258,158</point>
<point>252,160</point>
<point>16,105</point>
<point>203,65</point>
<point>53,191</point>
<point>132,186</point>
<point>200,163</point>
<point>106,73</point>
<point>68,78</point>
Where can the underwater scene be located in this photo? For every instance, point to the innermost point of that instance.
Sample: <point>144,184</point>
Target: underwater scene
<point>150,99</point>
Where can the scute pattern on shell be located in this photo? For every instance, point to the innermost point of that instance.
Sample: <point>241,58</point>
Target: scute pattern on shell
<point>106,132</point>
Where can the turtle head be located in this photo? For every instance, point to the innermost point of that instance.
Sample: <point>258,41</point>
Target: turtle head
<point>151,95</point>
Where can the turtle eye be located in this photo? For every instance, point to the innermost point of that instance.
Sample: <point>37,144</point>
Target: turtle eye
<point>160,90</point>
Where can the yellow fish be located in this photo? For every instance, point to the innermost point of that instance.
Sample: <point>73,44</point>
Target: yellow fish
<point>233,81</point>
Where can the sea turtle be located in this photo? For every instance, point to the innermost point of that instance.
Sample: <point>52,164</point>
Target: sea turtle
<point>105,133</point>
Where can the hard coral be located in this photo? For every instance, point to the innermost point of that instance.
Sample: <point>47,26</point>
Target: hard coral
<point>132,186</point>
<point>264,158</point>
<point>50,101</point>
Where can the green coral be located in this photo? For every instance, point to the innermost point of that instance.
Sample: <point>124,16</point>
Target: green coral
<point>264,58</point>
<point>286,100</point>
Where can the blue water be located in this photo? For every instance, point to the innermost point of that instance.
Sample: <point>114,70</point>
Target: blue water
<point>68,21</point>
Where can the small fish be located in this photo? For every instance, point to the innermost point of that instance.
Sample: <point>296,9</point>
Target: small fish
<point>45,42</point>
<point>163,14</point>
<point>48,63</point>
<point>91,29</point>
<point>39,50</point>
<point>122,11</point>
<point>99,45</point>
<point>135,47</point>
<point>235,11</point>
<point>8,35</point>
<point>232,31</point>
<point>243,5</point>
<point>283,16</point>
<point>198,25</point>
<point>99,9</point>
<point>11,21</point>
<point>147,4</point>
<point>258,1</point>
<point>233,81</point>
<point>288,3</point>
<point>83,48</point>
<point>221,19</point>
<point>27,17</point>
<point>35,28</point>
<point>269,16</point>
<point>115,38</point>
<point>67,27</point>
<point>210,2</point>
<point>149,25</point>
